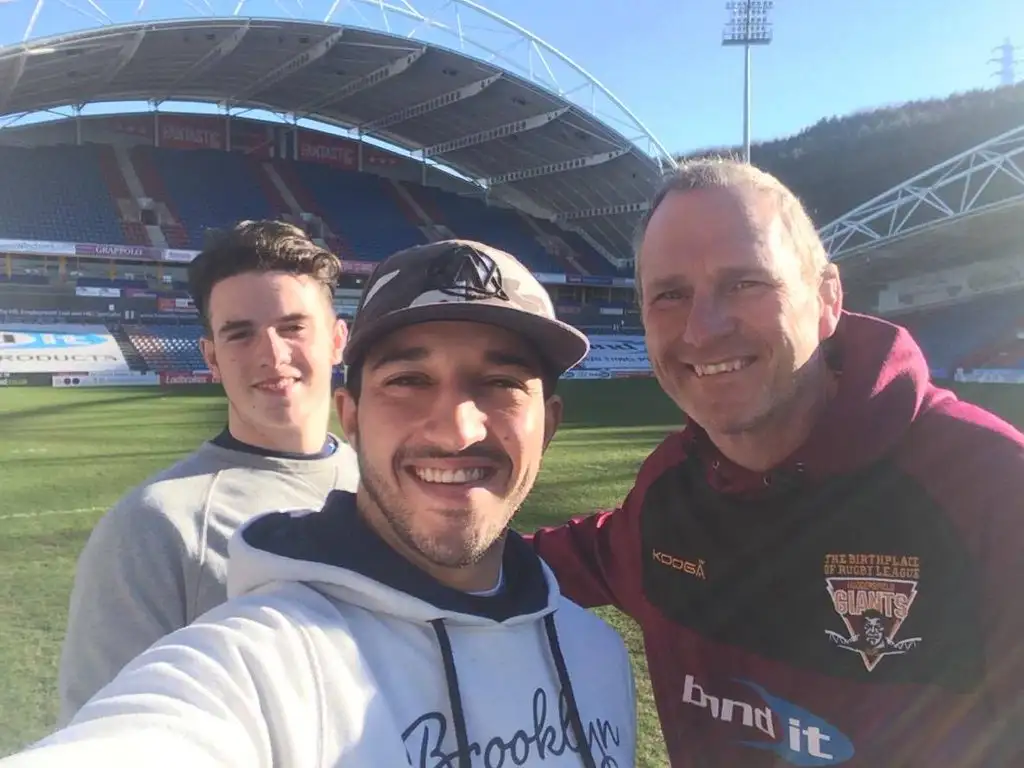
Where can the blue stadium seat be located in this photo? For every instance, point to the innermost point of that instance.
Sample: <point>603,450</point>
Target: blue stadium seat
<point>361,210</point>
<point>592,261</point>
<point>475,220</point>
<point>168,347</point>
<point>949,334</point>
<point>56,193</point>
<point>211,189</point>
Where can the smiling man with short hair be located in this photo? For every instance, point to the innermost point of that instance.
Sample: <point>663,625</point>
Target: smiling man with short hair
<point>824,562</point>
<point>157,559</point>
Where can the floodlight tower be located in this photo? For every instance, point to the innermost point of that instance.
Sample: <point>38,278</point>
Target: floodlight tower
<point>748,25</point>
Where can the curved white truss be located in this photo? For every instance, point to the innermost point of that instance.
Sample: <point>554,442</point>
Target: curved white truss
<point>962,186</point>
<point>462,25</point>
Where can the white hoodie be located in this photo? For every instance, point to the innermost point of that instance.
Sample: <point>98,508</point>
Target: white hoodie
<point>335,651</point>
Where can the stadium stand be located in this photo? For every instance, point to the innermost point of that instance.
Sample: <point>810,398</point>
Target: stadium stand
<point>978,334</point>
<point>359,210</point>
<point>131,353</point>
<point>474,219</point>
<point>964,335</point>
<point>142,161</point>
<point>167,347</point>
<point>56,194</point>
<point>210,189</point>
<point>1008,352</point>
<point>72,193</point>
<point>67,192</point>
<point>590,260</point>
<point>502,129</point>
<point>134,231</point>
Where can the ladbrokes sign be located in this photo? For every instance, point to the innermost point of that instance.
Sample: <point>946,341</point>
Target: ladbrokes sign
<point>177,378</point>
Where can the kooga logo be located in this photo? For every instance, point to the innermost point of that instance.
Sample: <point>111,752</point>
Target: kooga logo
<point>32,340</point>
<point>802,739</point>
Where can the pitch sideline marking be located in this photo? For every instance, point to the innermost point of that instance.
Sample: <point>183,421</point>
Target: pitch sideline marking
<point>49,513</point>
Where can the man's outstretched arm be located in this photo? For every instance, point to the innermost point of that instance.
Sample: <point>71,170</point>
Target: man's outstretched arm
<point>591,556</point>
<point>597,558</point>
<point>235,689</point>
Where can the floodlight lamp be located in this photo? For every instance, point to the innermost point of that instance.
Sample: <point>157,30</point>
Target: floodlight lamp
<point>748,24</point>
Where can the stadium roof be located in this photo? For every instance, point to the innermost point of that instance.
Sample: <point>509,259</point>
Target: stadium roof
<point>532,146</point>
<point>968,208</point>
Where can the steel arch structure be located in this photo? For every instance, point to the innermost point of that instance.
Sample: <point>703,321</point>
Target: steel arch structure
<point>986,179</point>
<point>456,86</point>
<point>473,29</point>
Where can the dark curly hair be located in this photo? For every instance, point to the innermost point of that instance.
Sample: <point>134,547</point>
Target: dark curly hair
<point>259,246</point>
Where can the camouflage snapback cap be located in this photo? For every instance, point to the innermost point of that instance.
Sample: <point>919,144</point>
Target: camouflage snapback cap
<point>462,280</point>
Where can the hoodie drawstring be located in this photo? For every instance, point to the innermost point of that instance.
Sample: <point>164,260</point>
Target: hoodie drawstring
<point>570,698</point>
<point>455,698</point>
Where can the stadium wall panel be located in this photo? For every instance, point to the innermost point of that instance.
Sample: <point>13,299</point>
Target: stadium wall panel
<point>60,349</point>
<point>64,381</point>
<point>25,380</point>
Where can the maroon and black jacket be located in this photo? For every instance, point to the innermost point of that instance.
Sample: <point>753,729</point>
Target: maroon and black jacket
<point>862,604</point>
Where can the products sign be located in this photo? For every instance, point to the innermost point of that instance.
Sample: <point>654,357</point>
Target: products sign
<point>53,348</point>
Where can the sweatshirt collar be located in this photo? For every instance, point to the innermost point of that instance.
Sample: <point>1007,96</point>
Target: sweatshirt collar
<point>336,540</point>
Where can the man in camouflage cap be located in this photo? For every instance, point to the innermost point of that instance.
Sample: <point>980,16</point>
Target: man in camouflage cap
<point>450,338</point>
<point>461,280</point>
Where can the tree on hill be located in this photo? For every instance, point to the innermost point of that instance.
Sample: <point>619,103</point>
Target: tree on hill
<point>840,162</point>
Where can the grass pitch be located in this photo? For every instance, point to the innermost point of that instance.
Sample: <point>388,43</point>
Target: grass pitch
<point>66,455</point>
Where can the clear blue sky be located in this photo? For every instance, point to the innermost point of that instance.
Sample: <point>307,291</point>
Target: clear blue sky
<point>664,58</point>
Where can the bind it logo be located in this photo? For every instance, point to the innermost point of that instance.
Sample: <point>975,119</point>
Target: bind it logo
<point>797,736</point>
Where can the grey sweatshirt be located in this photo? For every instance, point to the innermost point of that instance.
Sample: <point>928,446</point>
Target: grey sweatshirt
<point>157,559</point>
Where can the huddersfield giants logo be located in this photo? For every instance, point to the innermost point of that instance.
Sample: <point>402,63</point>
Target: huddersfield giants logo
<point>873,595</point>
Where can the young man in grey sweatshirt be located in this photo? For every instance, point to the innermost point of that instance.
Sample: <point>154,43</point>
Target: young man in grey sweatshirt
<point>157,559</point>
